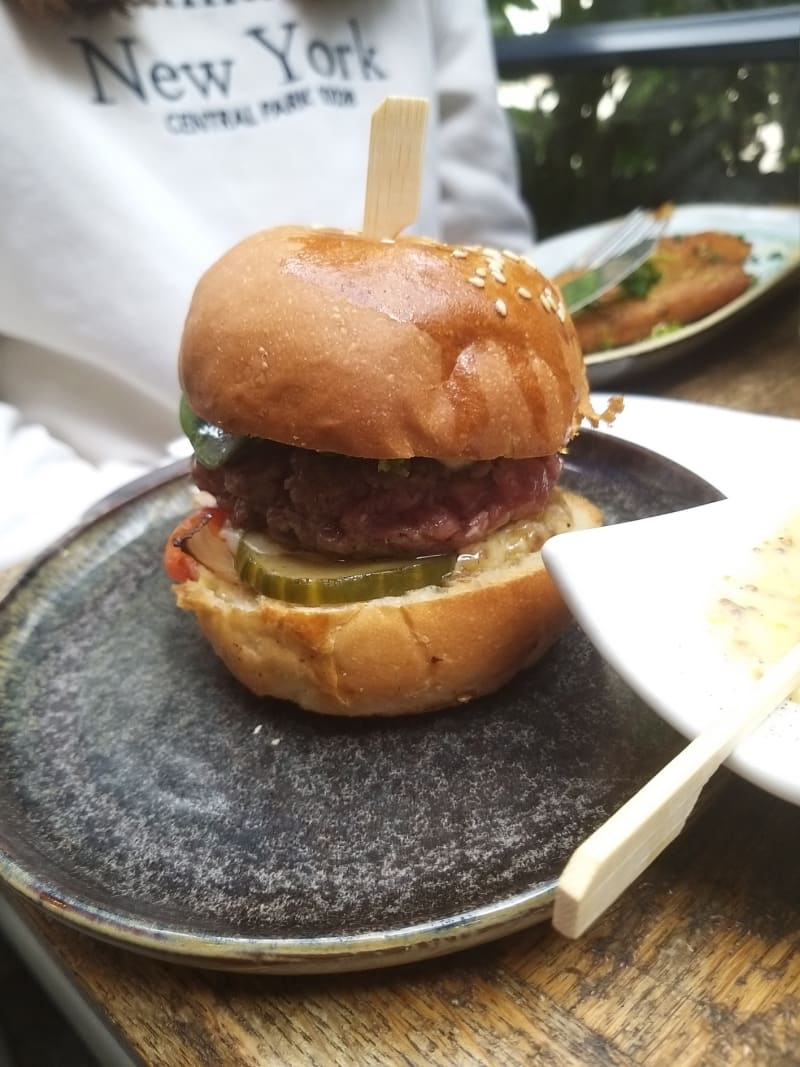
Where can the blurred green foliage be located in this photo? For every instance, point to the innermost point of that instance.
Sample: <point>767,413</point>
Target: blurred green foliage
<point>680,133</point>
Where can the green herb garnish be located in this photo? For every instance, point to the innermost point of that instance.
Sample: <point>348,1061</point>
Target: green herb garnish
<point>662,328</point>
<point>642,280</point>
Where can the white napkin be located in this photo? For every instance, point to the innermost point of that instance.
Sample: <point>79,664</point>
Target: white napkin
<point>45,486</point>
<point>736,451</point>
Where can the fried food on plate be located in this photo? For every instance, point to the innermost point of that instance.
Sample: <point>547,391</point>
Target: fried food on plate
<point>687,277</point>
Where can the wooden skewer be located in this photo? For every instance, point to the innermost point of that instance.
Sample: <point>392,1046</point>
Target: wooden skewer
<point>601,868</point>
<point>394,172</point>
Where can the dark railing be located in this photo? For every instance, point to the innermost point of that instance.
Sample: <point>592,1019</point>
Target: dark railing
<point>769,33</point>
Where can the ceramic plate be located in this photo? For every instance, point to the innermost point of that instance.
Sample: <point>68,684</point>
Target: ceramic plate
<point>773,232</point>
<point>149,800</point>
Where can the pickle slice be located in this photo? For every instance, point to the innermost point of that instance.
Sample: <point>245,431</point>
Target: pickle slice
<point>316,582</point>
<point>211,445</point>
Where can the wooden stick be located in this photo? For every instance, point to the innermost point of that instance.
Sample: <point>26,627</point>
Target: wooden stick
<point>617,853</point>
<point>394,173</point>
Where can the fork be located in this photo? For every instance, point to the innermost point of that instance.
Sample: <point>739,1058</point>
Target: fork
<point>612,259</point>
<point>638,226</point>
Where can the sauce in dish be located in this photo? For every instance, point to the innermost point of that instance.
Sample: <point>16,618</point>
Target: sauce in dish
<point>756,612</point>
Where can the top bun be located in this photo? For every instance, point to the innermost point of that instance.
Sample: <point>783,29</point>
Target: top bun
<point>333,341</point>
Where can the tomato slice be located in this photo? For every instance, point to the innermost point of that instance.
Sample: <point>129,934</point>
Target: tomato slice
<point>178,563</point>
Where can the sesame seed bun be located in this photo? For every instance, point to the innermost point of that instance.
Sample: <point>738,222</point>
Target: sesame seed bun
<point>331,341</point>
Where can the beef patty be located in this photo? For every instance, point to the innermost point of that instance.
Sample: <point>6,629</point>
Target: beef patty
<point>367,508</point>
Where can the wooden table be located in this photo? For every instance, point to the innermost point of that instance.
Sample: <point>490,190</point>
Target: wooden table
<point>699,963</point>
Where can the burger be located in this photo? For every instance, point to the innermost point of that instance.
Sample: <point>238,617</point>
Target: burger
<point>377,429</point>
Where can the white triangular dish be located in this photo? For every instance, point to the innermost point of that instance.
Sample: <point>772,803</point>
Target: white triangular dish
<point>644,593</point>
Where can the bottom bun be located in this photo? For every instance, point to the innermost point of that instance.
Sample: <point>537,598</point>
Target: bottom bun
<point>400,655</point>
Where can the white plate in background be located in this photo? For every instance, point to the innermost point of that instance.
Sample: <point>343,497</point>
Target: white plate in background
<point>773,233</point>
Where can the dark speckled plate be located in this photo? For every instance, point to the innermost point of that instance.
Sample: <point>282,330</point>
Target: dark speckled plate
<point>148,799</point>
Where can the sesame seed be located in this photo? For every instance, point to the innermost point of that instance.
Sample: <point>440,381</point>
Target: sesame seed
<point>547,299</point>
<point>561,311</point>
<point>481,272</point>
<point>511,255</point>
<point>499,276</point>
<point>478,282</point>
<point>500,307</point>
<point>459,253</point>
<point>524,293</point>
<point>387,240</point>
<point>530,263</point>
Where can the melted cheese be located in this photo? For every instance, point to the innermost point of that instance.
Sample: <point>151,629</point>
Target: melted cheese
<point>514,542</point>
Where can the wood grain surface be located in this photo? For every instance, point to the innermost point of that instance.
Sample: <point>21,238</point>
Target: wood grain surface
<point>698,964</point>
